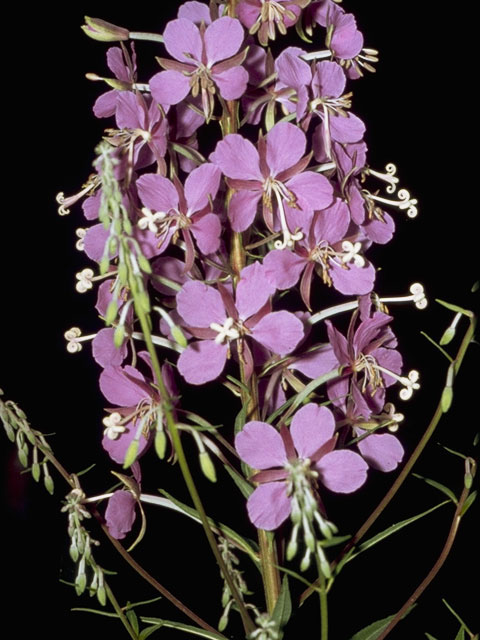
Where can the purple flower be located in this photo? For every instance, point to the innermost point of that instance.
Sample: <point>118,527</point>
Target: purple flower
<point>124,68</point>
<point>310,441</point>
<point>120,513</point>
<point>265,16</point>
<point>275,173</point>
<point>206,59</point>
<point>213,316</point>
<point>171,208</point>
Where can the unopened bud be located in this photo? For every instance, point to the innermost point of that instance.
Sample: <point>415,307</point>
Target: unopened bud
<point>178,336</point>
<point>112,311</point>
<point>131,454</point>
<point>144,264</point>
<point>207,466</point>
<point>9,431</point>
<point>104,265</point>
<point>23,456</point>
<point>448,335</point>
<point>292,549</point>
<point>102,596</point>
<point>104,31</point>
<point>127,225</point>
<point>447,398</point>
<point>36,471</point>
<point>74,554</point>
<point>122,273</point>
<point>119,336</point>
<point>80,583</point>
<point>49,485</point>
<point>160,444</point>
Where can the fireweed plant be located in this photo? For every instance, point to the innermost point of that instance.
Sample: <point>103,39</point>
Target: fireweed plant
<point>212,256</point>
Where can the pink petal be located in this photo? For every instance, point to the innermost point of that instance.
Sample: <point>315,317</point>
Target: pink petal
<point>314,188</point>
<point>253,290</point>
<point>169,87</point>
<point>106,104</point>
<point>124,386</point>
<point>248,13</point>
<point>120,514</point>
<point>105,352</point>
<point>342,471</point>
<point>316,363</point>
<point>201,183</point>
<point>223,39</point>
<point>292,70</point>
<point>390,359</point>
<point>171,268</point>
<point>200,305</point>
<point>117,448</point>
<point>91,206</point>
<point>157,193</point>
<point>195,12</point>
<point>280,332</point>
<point>260,446</point>
<point>231,82</point>
<point>237,157</point>
<point>183,37</point>
<point>285,146</point>
<point>207,230</point>
<point>242,209</point>
<point>128,112</point>
<point>94,242</point>
<point>202,361</point>
<point>378,231</point>
<point>269,505</point>
<point>339,343</point>
<point>353,280</point>
<point>382,451</point>
<point>331,224</point>
<point>311,427</point>
<point>116,63</point>
<point>349,129</point>
<point>329,79</point>
<point>283,268</point>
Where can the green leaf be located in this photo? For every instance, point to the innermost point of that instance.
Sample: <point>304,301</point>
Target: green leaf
<point>240,542</point>
<point>196,631</point>
<point>133,605</point>
<point>133,620</point>
<point>453,307</point>
<point>430,637</point>
<point>373,631</point>
<point>441,487</point>
<point>283,607</point>
<point>425,335</point>
<point>314,384</point>
<point>468,503</point>
<point>149,630</point>
<point>393,529</point>
<point>334,540</point>
<point>461,634</point>
<point>245,487</point>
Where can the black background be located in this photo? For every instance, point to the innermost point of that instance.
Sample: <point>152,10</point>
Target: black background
<point>418,115</point>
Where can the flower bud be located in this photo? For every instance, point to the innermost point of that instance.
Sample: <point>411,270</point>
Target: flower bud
<point>36,471</point>
<point>104,31</point>
<point>160,444</point>
<point>447,336</point>
<point>207,466</point>
<point>48,482</point>
<point>23,456</point>
<point>80,583</point>
<point>111,313</point>
<point>102,595</point>
<point>74,554</point>
<point>178,336</point>
<point>144,264</point>
<point>131,454</point>
<point>447,398</point>
<point>119,336</point>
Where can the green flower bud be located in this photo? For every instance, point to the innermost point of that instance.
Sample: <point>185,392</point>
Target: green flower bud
<point>207,466</point>
<point>178,336</point>
<point>102,596</point>
<point>123,273</point>
<point>119,336</point>
<point>73,551</point>
<point>292,549</point>
<point>36,471</point>
<point>104,264</point>
<point>144,264</point>
<point>23,456</point>
<point>131,454</point>
<point>127,226</point>
<point>104,31</point>
<point>112,311</point>
<point>9,431</point>
<point>447,398</point>
<point>144,301</point>
<point>160,444</point>
<point>49,485</point>
<point>447,336</point>
<point>80,583</point>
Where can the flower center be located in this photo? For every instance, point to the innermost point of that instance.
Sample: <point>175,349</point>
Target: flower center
<point>279,190</point>
<point>372,376</point>
<point>230,330</point>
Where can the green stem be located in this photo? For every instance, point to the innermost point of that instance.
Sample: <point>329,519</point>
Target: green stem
<point>467,339</point>
<point>119,612</point>
<point>323,603</point>
<point>177,444</point>
<point>140,35</point>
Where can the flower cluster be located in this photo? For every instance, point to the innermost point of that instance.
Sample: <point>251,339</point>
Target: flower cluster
<point>212,240</point>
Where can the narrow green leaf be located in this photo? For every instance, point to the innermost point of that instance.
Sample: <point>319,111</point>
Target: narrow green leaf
<point>441,487</point>
<point>314,384</point>
<point>201,422</point>
<point>133,605</point>
<point>468,503</point>
<point>430,637</point>
<point>373,631</point>
<point>435,344</point>
<point>283,607</point>
<point>133,620</point>
<point>453,307</point>
<point>241,543</point>
<point>393,529</point>
<point>461,634</point>
<point>196,631</point>
<point>149,630</point>
<point>107,614</point>
<point>455,453</point>
<point>333,541</point>
<point>245,487</point>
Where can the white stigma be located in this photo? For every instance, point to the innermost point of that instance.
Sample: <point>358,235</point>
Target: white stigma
<point>74,339</point>
<point>113,426</point>
<point>150,219</point>
<point>351,252</point>
<point>226,332</point>
<point>84,280</point>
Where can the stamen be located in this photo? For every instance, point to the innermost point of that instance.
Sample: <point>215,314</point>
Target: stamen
<point>114,427</point>
<point>289,238</point>
<point>405,201</point>
<point>74,338</point>
<point>80,233</point>
<point>418,296</point>
<point>389,176</point>
<point>84,280</point>
<point>226,332</point>
<point>317,55</point>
